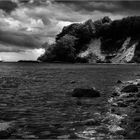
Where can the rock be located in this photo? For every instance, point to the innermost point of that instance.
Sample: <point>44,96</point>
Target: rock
<point>115,94</point>
<point>137,110</point>
<point>119,82</point>
<point>91,122</point>
<point>85,92</point>
<point>6,129</point>
<point>45,133</point>
<point>131,100</point>
<point>131,134</point>
<point>102,129</point>
<point>116,129</point>
<point>121,104</point>
<point>130,88</point>
<point>138,94</point>
<point>30,137</point>
<point>137,103</point>
<point>63,137</point>
<point>136,119</point>
<point>79,103</point>
<point>127,95</point>
<point>73,82</point>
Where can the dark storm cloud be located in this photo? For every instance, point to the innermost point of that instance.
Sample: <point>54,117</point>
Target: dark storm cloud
<point>130,5</point>
<point>89,5</point>
<point>10,48</point>
<point>19,39</point>
<point>7,5</point>
<point>116,6</point>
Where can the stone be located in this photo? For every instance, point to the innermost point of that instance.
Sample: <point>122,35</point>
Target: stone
<point>79,103</point>
<point>132,133</point>
<point>6,129</point>
<point>119,82</point>
<point>45,133</point>
<point>130,88</point>
<point>131,100</point>
<point>85,92</point>
<point>138,94</point>
<point>63,137</point>
<point>127,95</point>
<point>137,110</point>
<point>91,122</point>
<point>136,119</point>
<point>116,129</point>
<point>73,82</point>
<point>137,103</point>
<point>121,104</point>
<point>102,129</point>
<point>115,94</point>
<point>30,137</point>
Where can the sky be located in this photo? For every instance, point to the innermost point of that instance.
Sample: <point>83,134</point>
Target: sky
<point>27,24</point>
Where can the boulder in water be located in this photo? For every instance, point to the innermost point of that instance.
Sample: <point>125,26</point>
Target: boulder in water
<point>119,82</point>
<point>130,88</point>
<point>85,92</point>
<point>91,122</point>
<point>6,129</point>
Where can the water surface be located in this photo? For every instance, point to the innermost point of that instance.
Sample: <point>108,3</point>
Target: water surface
<point>37,95</point>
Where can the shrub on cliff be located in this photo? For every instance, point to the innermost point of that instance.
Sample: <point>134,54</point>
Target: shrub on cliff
<point>62,51</point>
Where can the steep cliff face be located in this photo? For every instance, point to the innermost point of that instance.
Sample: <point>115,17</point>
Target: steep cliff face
<point>127,53</point>
<point>93,52</point>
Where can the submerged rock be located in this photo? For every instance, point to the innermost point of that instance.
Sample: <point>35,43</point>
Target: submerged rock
<point>138,94</point>
<point>6,129</point>
<point>119,82</point>
<point>116,129</point>
<point>91,122</point>
<point>72,82</point>
<point>122,104</point>
<point>63,137</point>
<point>130,88</point>
<point>85,92</point>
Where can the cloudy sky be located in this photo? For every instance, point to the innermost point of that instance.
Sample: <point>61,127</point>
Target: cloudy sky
<point>26,24</point>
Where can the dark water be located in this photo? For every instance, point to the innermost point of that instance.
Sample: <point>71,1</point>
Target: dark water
<point>37,96</point>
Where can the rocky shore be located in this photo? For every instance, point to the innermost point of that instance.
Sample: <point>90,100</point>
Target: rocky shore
<point>122,120</point>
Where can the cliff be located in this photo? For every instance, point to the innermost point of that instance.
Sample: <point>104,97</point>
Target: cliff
<point>101,41</point>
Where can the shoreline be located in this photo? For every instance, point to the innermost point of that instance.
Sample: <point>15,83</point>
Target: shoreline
<point>122,119</point>
<point>71,63</point>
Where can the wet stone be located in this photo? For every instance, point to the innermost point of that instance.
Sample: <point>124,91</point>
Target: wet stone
<point>6,129</point>
<point>121,104</point>
<point>85,92</point>
<point>45,133</point>
<point>130,88</point>
<point>72,82</point>
<point>63,137</point>
<point>102,129</point>
<point>137,103</point>
<point>91,122</point>
<point>131,100</point>
<point>119,82</point>
<point>115,94</point>
<point>138,94</point>
<point>137,119</point>
<point>30,137</point>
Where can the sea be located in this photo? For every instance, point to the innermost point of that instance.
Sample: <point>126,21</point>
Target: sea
<point>37,96</point>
